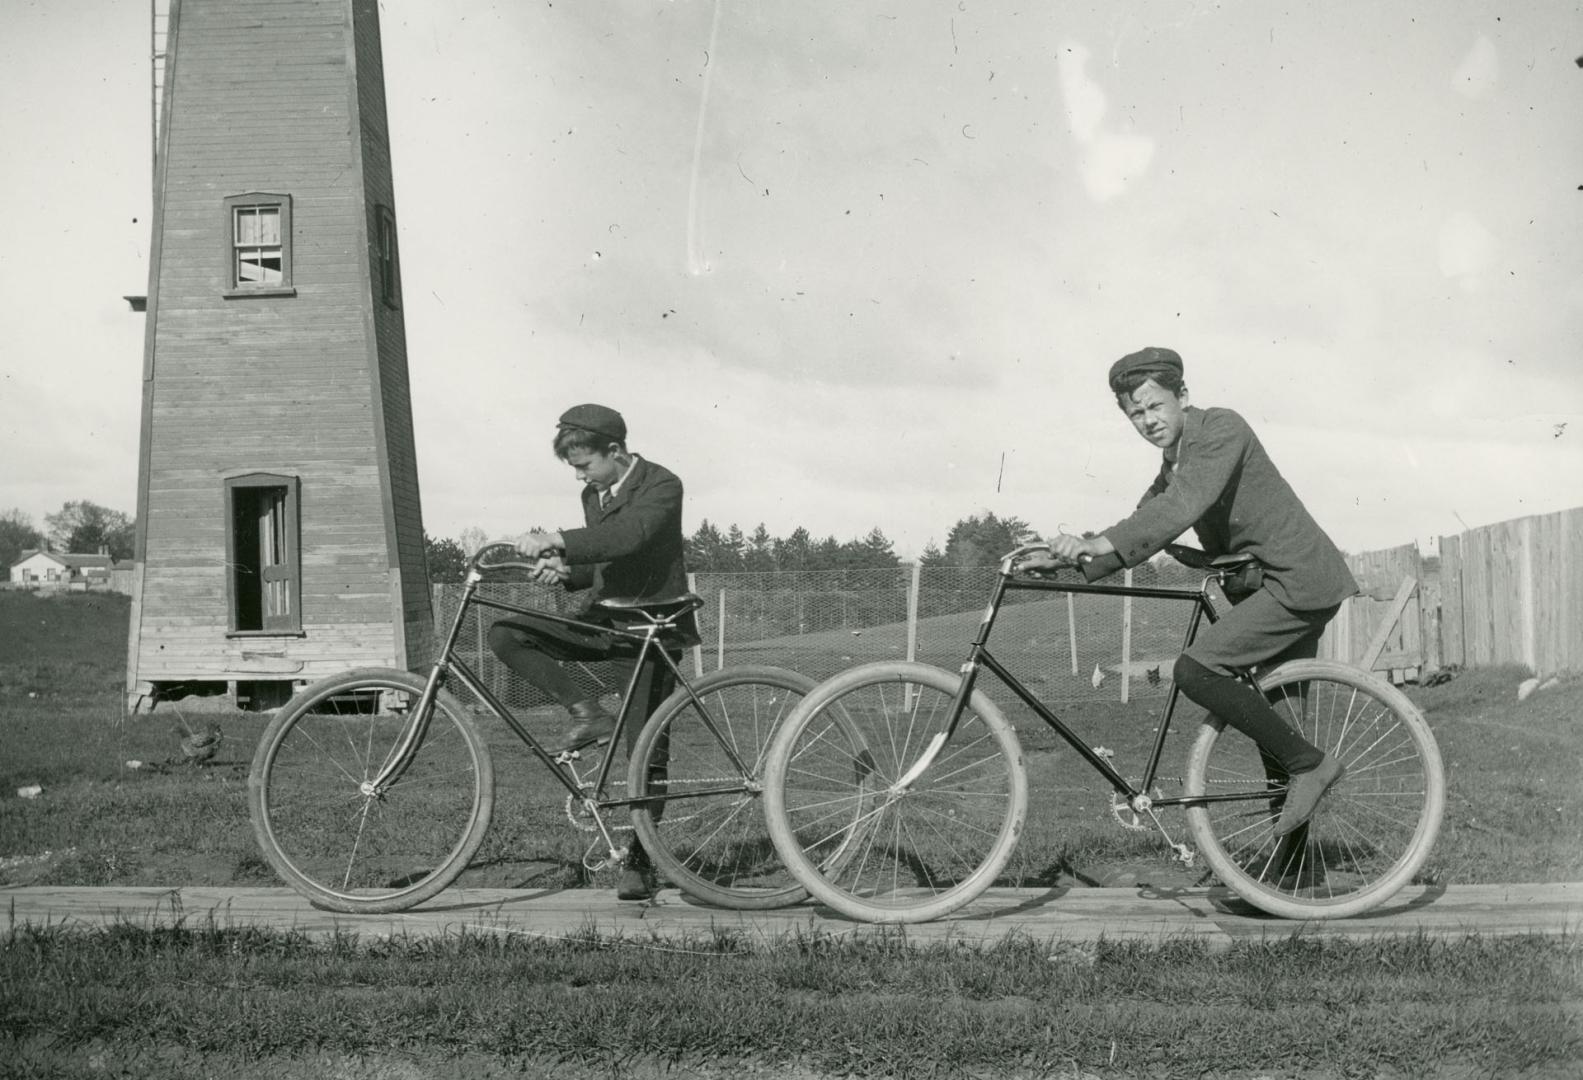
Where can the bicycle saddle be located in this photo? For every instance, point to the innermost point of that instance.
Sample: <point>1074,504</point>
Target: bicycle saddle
<point>667,608</point>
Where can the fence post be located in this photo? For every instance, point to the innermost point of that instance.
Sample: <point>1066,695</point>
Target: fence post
<point>698,650</point>
<point>912,629</point>
<point>720,647</point>
<point>1126,638</point>
<point>1071,629</point>
<point>912,613</point>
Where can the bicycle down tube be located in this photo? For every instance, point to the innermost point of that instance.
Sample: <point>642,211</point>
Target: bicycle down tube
<point>980,656</point>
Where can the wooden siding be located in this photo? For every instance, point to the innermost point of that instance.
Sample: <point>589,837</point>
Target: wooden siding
<point>269,95</point>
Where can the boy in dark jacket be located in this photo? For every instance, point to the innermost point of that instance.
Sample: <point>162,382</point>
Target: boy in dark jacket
<point>629,547</point>
<point>1216,478</point>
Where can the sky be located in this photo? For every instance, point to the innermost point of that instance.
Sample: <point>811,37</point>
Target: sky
<point>855,265</point>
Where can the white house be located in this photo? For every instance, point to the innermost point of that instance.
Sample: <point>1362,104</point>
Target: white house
<point>47,568</point>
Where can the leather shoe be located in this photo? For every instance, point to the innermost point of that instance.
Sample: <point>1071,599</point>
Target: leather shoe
<point>637,882</point>
<point>1304,791</point>
<point>590,724</point>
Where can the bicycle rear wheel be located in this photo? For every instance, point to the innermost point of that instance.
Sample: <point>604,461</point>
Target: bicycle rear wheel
<point>329,833</point>
<point>1371,832</point>
<point>707,833</point>
<point>864,836</point>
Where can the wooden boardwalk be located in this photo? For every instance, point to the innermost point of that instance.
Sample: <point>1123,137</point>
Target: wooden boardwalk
<point>1066,914</point>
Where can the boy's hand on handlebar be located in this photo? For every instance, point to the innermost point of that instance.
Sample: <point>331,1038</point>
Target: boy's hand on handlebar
<point>537,544</point>
<point>1072,549</point>
<point>551,571</point>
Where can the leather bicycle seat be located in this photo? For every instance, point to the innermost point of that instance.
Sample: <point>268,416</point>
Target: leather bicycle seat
<point>665,608</point>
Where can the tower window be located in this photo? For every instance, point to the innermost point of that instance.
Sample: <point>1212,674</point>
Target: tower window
<point>258,231</point>
<point>264,566</point>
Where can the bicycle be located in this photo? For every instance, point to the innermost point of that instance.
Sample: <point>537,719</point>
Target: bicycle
<point>372,790</point>
<point>915,777</point>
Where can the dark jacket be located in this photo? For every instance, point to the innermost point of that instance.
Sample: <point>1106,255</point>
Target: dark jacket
<point>1225,487</point>
<point>633,547</point>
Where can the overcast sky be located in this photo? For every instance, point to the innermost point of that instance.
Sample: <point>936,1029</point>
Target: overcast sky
<point>854,264</point>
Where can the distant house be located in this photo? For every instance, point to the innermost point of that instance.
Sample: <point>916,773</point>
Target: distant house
<point>36,568</point>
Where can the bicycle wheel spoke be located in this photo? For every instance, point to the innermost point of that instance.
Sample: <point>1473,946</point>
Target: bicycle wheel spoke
<point>863,843</point>
<point>704,827</point>
<point>352,848</point>
<point>1370,833</point>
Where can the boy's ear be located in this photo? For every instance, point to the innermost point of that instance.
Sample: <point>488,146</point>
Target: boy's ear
<point>1182,397</point>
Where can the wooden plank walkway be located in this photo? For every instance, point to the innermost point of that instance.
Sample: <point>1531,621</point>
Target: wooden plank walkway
<point>1065,914</point>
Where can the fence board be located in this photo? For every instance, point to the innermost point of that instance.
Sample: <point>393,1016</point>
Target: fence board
<point>1514,594</point>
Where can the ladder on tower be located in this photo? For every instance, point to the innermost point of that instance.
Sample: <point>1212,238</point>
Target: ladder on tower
<point>158,36</point>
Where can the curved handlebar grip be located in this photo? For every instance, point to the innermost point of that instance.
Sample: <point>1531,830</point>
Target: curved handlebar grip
<point>501,557</point>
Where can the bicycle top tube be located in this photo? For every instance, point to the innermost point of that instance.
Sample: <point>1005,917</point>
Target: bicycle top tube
<point>652,617</point>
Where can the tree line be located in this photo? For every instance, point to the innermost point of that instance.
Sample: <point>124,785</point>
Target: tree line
<point>974,541</point>
<point>79,527</point>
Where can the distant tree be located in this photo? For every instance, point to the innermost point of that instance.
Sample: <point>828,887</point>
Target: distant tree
<point>982,540</point>
<point>447,559</point>
<point>711,551</point>
<point>873,552</point>
<point>795,552</point>
<point>759,556</point>
<point>471,539</point>
<point>83,527</point>
<point>932,556</point>
<point>17,535</point>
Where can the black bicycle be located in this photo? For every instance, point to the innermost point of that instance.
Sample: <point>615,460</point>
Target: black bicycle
<point>372,790</point>
<point>895,792</point>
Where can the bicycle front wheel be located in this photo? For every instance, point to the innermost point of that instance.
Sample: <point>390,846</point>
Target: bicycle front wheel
<point>706,830</point>
<point>1373,829</point>
<point>336,838</point>
<point>856,821</point>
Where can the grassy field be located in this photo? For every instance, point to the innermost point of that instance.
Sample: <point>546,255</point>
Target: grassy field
<point>205,1001</point>
<point>1515,811</point>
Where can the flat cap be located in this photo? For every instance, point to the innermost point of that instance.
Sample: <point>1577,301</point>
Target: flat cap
<point>1150,361</point>
<point>596,418</point>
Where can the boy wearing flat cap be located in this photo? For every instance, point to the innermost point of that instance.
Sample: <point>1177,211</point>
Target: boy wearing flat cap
<point>630,546</point>
<point>1217,479</point>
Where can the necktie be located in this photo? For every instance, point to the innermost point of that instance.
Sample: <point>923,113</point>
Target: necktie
<point>604,498</point>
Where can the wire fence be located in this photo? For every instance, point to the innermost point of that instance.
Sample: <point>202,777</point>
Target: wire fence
<point>1064,647</point>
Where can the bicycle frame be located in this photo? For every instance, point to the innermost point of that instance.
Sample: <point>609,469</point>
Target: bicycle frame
<point>449,663</point>
<point>980,657</point>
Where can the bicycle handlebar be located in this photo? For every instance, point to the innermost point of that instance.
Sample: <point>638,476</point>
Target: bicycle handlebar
<point>501,557</point>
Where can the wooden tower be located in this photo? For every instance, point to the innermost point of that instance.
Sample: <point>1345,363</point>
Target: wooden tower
<point>279,536</point>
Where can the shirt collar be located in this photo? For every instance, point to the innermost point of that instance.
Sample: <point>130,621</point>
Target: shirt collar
<point>615,489</point>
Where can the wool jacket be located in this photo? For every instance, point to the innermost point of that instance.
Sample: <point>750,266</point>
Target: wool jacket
<point>1225,488</point>
<point>633,547</point>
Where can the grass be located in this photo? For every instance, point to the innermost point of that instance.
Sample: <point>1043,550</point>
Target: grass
<point>206,1000</point>
<point>1515,812</point>
<point>212,1000</point>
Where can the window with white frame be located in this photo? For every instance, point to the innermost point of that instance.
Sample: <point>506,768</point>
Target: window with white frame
<point>258,230</point>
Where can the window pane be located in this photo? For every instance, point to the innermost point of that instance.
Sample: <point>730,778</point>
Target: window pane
<point>256,225</point>
<point>269,225</point>
<point>259,267</point>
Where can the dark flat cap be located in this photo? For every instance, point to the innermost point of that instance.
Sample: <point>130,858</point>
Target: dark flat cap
<point>596,418</point>
<point>1151,361</point>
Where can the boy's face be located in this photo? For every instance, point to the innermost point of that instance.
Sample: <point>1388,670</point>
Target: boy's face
<point>596,467</point>
<point>1156,413</point>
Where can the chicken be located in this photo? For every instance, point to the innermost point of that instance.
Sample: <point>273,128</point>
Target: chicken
<point>200,747</point>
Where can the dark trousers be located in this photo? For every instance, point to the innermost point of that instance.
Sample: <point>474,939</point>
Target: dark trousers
<point>1258,632</point>
<point>536,649</point>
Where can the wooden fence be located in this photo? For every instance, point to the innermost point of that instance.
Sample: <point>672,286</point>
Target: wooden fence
<point>1392,624</point>
<point>1512,593</point>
